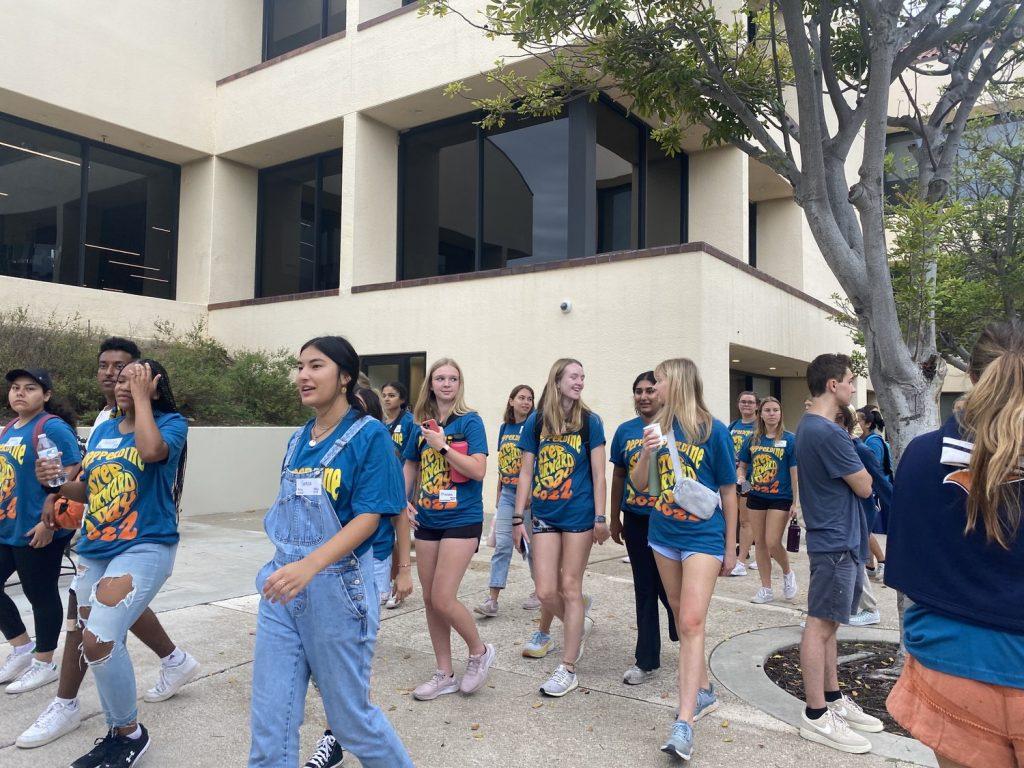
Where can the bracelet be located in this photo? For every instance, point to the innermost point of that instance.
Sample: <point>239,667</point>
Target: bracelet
<point>599,519</point>
<point>517,521</point>
<point>407,565</point>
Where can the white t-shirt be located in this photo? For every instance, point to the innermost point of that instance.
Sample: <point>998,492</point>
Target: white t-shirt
<point>102,416</point>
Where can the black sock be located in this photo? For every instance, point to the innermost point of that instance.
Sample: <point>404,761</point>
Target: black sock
<point>831,696</point>
<point>814,714</point>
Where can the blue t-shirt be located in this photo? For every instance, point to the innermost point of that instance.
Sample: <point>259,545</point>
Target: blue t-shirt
<point>626,448</point>
<point>876,443</point>
<point>21,495</point>
<point>881,498</point>
<point>832,511</point>
<point>510,455</point>
<point>400,429</point>
<point>711,463</point>
<point>770,462</point>
<point>364,478</point>
<point>958,648</point>
<point>563,488</point>
<point>740,430</point>
<point>442,503</point>
<point>130,501</point>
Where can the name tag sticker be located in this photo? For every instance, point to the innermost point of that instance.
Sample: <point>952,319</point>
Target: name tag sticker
<point>398,429</point>
<point>308,486</point>
<point>448,496</point>
<point>780,443</point>
<point>109,444</point>
<point>13,441</point>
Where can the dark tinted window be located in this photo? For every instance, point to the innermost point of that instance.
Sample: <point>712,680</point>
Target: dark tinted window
<point>439,201</point>
<point>291,24</point>
<point>664,204</point>
<point>526,194</point>
<point>130,226</point>
<point>300,226</point>
<point>617,177</point>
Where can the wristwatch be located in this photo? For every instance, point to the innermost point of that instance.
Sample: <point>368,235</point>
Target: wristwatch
<point>444,450</point>
<point>599,519</point>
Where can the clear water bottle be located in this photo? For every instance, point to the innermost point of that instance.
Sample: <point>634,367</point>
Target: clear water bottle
<point>48,452</point>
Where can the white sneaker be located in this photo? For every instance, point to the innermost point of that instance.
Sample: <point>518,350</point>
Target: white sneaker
<point>560,683</point>
<point>38,674</point>
<point>764,595</point>
<point>878,575</point>
<point>588,629</point>
<point>55,721</point>
<point>789,585</point>
<point>832,731</point>
<point>864,618</point>
<point>636,676</point>
<point>739,569</point>
<point>393,601</point>
<point>172,678</point>
<point>855,716</point>
<point>15,665</point>
<point>752,565</point>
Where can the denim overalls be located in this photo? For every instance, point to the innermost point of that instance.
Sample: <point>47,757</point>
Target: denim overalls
<point>328,630</point>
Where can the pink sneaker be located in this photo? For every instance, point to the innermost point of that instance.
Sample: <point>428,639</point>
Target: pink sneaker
<point>438,685</point>
<point>477,669</point>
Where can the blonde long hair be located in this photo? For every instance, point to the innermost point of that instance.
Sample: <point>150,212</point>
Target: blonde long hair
<point>760,428</point>
<point>426,401</point>
<point>684,400</point>
<point>993,418</point>
<point>555,421</point>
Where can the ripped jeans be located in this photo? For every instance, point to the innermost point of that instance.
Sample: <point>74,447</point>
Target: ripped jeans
<point>148,564</point>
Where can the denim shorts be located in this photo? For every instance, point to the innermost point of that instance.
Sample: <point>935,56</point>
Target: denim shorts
<point>679,555</point>
<point>836,583</point>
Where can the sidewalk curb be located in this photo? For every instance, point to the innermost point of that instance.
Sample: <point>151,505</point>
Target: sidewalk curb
<point>738,664</point>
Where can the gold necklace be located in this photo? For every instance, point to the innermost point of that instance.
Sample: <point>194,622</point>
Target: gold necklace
<point>314,438</point>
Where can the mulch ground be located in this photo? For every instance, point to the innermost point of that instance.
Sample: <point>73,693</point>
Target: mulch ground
<point>862,676</point>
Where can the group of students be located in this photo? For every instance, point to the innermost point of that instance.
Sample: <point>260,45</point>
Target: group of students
<point>364,470</point>
<point>123,497</point>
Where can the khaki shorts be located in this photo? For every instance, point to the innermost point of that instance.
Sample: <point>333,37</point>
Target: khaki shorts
<point>975,724</point>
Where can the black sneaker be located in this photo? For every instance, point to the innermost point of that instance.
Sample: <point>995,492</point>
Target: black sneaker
<point>96,756</point>
<point>328,753</point>
<point>125,752</point>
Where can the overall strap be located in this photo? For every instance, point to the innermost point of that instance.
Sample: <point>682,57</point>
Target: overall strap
<point>344,440</point>
<point>293,444</point>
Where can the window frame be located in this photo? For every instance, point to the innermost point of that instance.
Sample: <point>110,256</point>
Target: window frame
<point>319,159</point>
<point>643,135</point>
<point>268,16</point>
<point>404,362</point>
<point>85,145</point>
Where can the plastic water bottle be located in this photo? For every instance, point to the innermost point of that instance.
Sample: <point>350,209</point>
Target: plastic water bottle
<point>47,451</point>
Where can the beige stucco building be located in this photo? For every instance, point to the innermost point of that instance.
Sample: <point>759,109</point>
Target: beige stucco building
<point>281,170</point>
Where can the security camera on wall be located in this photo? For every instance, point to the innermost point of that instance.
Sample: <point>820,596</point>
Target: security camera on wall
<point>565,306</point>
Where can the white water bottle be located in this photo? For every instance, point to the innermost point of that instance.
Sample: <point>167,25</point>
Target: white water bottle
<point>47,451</point>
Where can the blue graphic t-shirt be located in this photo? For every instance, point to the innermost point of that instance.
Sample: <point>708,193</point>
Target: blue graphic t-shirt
<point>440,502</point>
<point>710,463</point>
<point>510,455</point>
<point>400,429</point>
<point>626,447</point>
<point>129,501</point>
<point>21,495</point>
<point>363,479</point>
<point>563,489</point>
<point>740,430</point>
<point>769,462</point>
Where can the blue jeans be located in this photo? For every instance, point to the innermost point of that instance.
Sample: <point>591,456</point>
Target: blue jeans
<point>503,547</point>
<point>328,631</point>
<point>149,564</point>
<point>382,576</point>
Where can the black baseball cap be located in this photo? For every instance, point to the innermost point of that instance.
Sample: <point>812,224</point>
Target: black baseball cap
<point>38,375</point>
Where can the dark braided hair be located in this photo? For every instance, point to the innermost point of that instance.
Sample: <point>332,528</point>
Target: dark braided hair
<point>165,403</point>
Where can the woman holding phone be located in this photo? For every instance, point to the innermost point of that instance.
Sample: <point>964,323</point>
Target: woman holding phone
<point>691,536</point>
<point>768,459</point>
<point>510,460</point>
<point>445,463</point>
<point>563,480</point>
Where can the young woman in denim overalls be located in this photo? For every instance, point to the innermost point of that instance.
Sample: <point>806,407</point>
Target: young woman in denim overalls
<point>319,609</point>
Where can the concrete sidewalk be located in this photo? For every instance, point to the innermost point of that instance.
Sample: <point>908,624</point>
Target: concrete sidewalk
<point>209,609</point>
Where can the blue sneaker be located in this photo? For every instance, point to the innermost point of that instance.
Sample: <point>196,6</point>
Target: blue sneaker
<point>680,743</point>
<point>538,646</point>
<point>707,702</point>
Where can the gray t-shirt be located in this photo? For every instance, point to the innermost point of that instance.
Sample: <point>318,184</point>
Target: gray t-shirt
<point>832,511</point>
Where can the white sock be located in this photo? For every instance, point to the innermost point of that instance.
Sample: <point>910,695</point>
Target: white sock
<point>134,734</point>
<point>26,648</point>
<point>174,658</point>
<point>68,703</point>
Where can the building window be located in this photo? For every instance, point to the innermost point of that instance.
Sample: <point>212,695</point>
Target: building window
<point>471,199</point>
<point>409,368</point>
<point>900,167</point>
<point>752,234</point>
<point>291,24</point>
<point>126,241</point>
<point>299,226</point>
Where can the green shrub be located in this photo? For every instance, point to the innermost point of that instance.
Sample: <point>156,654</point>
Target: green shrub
<point>212,385</point>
